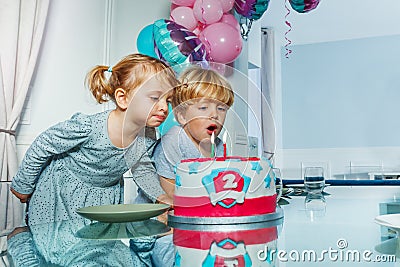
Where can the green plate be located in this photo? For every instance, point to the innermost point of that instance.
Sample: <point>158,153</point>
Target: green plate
<point>122,212</point>
<point>119,231</point>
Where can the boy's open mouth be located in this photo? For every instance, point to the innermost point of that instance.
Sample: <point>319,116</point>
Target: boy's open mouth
<point>211,128</point>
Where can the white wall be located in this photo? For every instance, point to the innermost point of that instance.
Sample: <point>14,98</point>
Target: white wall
<point>330,21</point>
<point>73,42</point>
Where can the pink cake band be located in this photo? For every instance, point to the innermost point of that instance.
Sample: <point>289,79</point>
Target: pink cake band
<point>203,240</point>
<point>220,159</point>
<point>202,207</point>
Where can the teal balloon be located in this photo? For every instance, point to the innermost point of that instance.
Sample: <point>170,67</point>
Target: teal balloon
<point>145,41</point>
<point>169,122</point>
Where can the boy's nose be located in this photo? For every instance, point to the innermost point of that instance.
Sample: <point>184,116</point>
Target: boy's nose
<point>214,114</point>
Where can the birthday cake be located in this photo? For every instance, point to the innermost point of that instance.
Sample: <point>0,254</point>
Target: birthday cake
<point>240,248</point>
<point>224,187</point>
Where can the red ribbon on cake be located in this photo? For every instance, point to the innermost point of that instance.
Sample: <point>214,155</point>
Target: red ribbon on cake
<point>201,206</point>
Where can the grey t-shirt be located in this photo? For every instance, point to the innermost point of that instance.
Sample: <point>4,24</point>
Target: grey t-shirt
<point>176,145</point>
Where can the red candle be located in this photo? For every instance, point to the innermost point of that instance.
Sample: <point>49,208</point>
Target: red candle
<point>224,142</point>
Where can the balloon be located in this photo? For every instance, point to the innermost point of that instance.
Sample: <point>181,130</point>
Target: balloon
<point>304,6</point>
<point>176,45</point>
<point>183,2</point>
<point>184,16</point>
<point>173,6</point>
<point>251,9</point>
<point>223,42</point>
<point>231,20</point>
<point>207,11</point>
<point>145,41</point>
<point>227,5</point>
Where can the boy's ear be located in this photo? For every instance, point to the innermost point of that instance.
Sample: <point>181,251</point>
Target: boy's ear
<point>180,116</point>
<point>121,98</point>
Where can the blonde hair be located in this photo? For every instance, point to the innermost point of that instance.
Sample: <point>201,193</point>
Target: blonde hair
<point>201,83</point>
<point>129,73</point>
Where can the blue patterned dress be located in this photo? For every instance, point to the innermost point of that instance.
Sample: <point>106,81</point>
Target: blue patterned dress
<point>74,164</point>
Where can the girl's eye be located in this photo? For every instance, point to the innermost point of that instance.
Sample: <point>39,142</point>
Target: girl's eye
<point>155,98</point>
<point>203,108</point>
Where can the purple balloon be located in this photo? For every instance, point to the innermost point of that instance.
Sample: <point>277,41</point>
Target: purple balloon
<point>244,7</point>
<point>175,44</point>
<point>304,6</point>
<point>251,9</point>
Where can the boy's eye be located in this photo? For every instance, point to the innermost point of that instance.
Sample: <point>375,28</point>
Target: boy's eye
<point>222,108</point>
<point>202,107</point>
<point>155,98</point>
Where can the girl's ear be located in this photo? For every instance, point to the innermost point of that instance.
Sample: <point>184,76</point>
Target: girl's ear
<point>121,98</point>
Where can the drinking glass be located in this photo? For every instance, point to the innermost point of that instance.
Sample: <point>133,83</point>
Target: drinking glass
<point>315,205</point>
<point>314,181</point>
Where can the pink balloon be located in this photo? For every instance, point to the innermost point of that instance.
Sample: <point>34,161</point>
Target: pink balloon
<point>223,42</point>
<point>207,11</point>
<point>227,5</point>
<point>183,2</point>
<point>231,20</point>
<point>183,15</point>
<point>173,6</point>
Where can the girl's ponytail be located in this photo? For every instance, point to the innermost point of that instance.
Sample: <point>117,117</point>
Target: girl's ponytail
<point>98,84</point>
<point>129,73</point>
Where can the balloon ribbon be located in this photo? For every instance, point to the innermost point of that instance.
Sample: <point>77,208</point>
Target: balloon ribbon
<point>288,41</point>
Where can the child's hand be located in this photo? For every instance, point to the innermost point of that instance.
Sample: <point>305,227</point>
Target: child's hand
<point>165,199</point>
<point>163,218</point>
<point>22,197</point>
<point>17,230</point>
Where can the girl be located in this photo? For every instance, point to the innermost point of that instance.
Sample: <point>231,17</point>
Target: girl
<point>80,162</point>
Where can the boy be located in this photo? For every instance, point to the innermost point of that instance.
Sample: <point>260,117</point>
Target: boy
<point>200,105</point>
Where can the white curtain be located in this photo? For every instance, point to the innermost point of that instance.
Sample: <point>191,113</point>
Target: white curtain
<point>22,24</point>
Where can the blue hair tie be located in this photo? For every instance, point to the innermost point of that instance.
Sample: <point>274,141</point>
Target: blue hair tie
<point>109,69</point>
